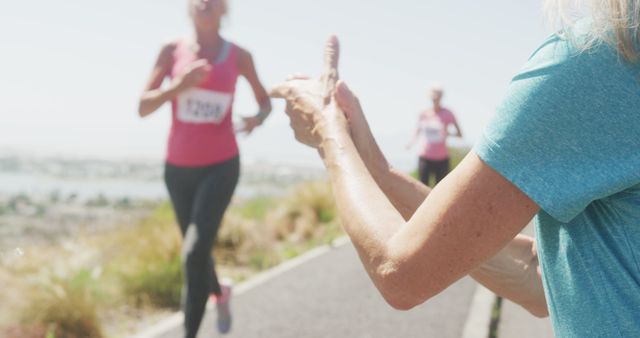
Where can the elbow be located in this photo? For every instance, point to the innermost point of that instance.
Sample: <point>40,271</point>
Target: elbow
<point>541,315</point>
<point>539,311</point>
<point>398,291</point>
<point>399,304</point>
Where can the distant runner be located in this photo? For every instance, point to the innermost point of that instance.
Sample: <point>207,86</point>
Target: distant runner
<point>432,131</point>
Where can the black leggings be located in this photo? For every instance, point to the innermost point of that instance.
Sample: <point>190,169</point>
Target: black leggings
<point>200,197</point>
<point>439,168</point>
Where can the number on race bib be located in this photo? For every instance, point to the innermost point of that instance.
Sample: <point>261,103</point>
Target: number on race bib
<point>434,131</point>
<point>203,106</point>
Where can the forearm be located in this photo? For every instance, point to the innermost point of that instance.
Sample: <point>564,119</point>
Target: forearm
<point>405,193</point>
<point>514,274</point>
<point>458,130</point>
<point>151,100</point>
<point>264,106</point>
<point>366,214</point>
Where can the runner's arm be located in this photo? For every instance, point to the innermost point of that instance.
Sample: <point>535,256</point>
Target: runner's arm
<point>153,97</point>
<point>451,120</point>
<point>414,138</point>
<point>247,69</point>
<point>458,130</point>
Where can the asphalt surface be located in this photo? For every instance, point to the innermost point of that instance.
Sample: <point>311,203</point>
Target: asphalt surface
<point>331,296</point>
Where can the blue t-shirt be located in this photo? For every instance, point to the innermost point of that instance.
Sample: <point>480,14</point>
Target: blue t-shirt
<point>568,136</point>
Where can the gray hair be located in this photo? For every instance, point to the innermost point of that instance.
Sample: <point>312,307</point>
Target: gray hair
<point>616,22</point>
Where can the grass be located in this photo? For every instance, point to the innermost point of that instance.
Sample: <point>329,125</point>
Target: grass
<point>256,208</point>
<point>264,232</point>
<point>138,265</point>
<point>49,300</point>
<point>145,261</point>
<point>67,307</point>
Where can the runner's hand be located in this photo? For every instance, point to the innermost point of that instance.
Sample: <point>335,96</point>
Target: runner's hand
<point>249,124</point>
<point>194,74</point>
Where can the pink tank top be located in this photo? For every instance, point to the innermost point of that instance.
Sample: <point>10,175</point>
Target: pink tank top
<point>433,130</point>
<point>202,129</point>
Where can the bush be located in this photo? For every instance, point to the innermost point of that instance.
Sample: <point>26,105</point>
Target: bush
<point>256,208</point>
<point>146,261</point>
<point>263,232</point>
<point>66,307</point>
<point>154,281</point>
<point>27,331</point>
<point>141,263</point>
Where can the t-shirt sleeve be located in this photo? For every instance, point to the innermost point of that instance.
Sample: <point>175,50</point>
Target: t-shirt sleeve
<point>566,133</point>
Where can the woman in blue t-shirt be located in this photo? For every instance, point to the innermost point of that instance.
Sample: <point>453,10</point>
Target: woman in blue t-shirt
<point>563,148</point>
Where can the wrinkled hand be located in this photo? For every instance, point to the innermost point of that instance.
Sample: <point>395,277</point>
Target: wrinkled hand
<point>311,105</point>
<point>194,74</point>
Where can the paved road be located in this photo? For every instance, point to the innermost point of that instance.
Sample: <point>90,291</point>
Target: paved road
<point>331,296</point>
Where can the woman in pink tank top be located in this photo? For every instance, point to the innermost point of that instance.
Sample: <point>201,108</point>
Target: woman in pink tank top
<point>202,162</point>
<point>433,131</point>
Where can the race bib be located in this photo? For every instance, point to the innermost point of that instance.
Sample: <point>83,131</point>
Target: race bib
<point>203,106</point>
<point>434,131</point>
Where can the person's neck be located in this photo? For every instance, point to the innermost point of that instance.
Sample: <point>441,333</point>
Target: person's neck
<point>209,41</point>
<point>436,108</point>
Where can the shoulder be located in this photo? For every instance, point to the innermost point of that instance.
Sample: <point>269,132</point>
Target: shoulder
<point>244,59</point>
<point>446,113</point>
<point>243,54</point>
<point>569,58</point>
<point>171,45</point>
<point>168,50</point>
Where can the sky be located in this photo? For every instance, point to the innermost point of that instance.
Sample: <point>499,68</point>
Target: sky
<point>73,70</point>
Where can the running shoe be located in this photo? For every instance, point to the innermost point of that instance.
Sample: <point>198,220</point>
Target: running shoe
<point>223,306</point>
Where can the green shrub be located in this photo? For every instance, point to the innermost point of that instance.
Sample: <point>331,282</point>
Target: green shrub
<point>154,282</point>
<point>67,307</point>
<point>147,260</point>
<point>256,208</point>
<point>456,155</point>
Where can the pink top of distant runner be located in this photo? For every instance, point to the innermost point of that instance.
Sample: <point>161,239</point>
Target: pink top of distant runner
<point>202,129</point>
<point>433,134</point>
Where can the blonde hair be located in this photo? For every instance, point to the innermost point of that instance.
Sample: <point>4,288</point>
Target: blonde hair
<point>616,22</point>
<point>436,88</point>
<point>225,6</point>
